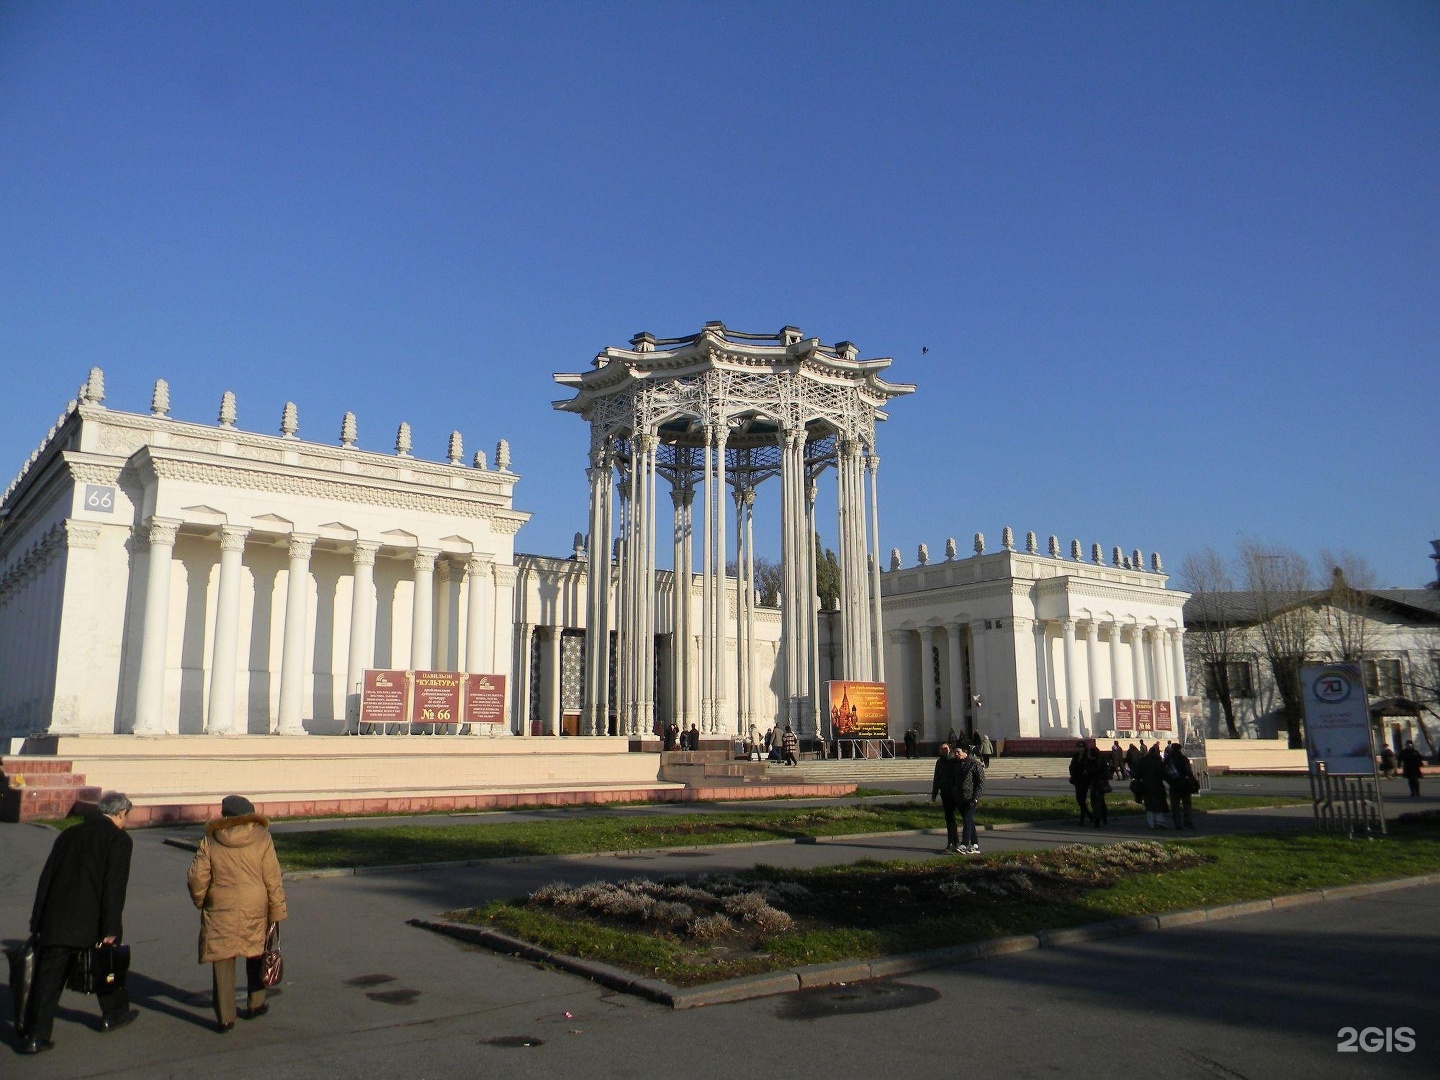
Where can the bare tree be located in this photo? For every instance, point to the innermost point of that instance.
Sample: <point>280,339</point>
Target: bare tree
<point>1424,690</point>
<point>1346,619</point>
<point>769,577</point>
<point>1283,591</point>
<point>1210,625</point>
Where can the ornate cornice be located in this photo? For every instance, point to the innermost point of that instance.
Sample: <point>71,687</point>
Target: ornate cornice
<point>82,536</point>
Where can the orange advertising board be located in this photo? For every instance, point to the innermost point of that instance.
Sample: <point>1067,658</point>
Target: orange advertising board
<point>859,710</point>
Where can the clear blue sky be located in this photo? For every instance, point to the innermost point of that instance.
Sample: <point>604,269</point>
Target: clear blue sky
<point>1177,265</point>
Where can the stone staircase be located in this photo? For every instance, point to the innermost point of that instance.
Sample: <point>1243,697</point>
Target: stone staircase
<point>695,768</point>
<point>36,788</point>
<point>873,773</point>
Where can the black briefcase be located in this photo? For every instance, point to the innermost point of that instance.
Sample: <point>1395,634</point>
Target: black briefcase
<point>22,981</point>
<point>100,969</point>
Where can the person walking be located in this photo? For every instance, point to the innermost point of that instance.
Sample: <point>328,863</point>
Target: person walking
<point>943,785</point>
<point>1117,761</point>
<point>1180,775</point>
<point>1078,780</point>
<point>968,780</point>
<point>1151,774</point>
<point>1097,776</point>
<point>987,749</point>
<point>1412,767</point>
<point>79,903</point>
<point>910,742</point>
<point>1132,762</point>
<point>790,742</point>
<point>234,880</point>
<point>1387,762</point>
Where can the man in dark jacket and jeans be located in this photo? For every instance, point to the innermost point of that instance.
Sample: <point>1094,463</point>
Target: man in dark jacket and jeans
<point>944,786</point>
<point>968,779</point>
<point>78,904</point>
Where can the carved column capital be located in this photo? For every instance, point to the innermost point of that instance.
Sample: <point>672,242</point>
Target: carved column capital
<point>162,533</point>
<point>80,535</point>
<point>424,561</point>
<point>479,565</point>
<point>232,537</point>
<point>365,552</point>
<point>301,547</point>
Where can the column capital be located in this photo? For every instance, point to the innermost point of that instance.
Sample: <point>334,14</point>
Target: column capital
<point>365,552</point>
<point>872,462</point>
<point>505,575</point>
<point>956,626</point>
<point>232,538</point>
<point>977,626</point>
<point>302,546</point>
<point>479,564</point>
<point>161,532</point>
<point>899,637</point>
<point>682,497</point>
<point>1092,629</point>
<point>1067,626</point>
<point>1022,623</point>
<point>444,570</point>
<point>927,634</point>
<point>424,561</point>
<point>81,535</point>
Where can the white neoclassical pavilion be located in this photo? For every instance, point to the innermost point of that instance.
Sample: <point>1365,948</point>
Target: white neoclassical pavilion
<point>717,414</point>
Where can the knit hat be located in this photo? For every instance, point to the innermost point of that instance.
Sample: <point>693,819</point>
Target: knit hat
<point>235,806</point>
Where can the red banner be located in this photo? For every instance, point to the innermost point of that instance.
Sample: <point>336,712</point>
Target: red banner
<point>1124,714</point>
<point>485,699</point>
<point>1144,714</point>
<point>1163,715</point>
<point>436,699</point>
<point>383,697</point>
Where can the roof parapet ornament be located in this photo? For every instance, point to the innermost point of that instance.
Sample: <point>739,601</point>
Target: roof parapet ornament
<point>479,461</point>
<point>456,450</point>
<point>92,390</point>
<point>1137,559</point>
<point>790,335</point>
<point>1030,544</point>
<point>1007,538</point>
<point>577,550</point>
<point>1156,567</point>
<point>643,342</point>
<point>502,455</point>
<point>403,442</point>
<point>923,554</point>
<point>227,409</point>
<point>979,543</point>
<point>1096,555</point>
<point>1054,546</point>
<point>160,399</point>
<point>894,558</point>
<point>349,431</point>
<point>1117,558</point>
<point>950,550</point>
<point>847,350</point>
<point>289,421</point>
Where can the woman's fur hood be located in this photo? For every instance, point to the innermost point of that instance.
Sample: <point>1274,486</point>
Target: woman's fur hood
<point>224,830</point>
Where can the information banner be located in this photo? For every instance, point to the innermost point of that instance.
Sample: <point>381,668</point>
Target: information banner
<point>1164,717</point>
<point>859,710</point>
<point>1144,714</point>
<point>485,699</point>
<point>1337,719</point>
<point>1124,714</point>
<point>383,697</point>
<point>436,697</point>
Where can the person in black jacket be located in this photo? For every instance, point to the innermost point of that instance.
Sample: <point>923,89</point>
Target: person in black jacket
<point>1079,781</point>
<point>968,779</point>
<point>78,904</point>
<point>944,786</point>
<point>1097,779</point>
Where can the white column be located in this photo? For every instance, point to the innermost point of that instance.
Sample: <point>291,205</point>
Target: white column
<point>221,714</point>
<point>523,676</point>
<point>1044,678</point>
<point>1113,646</point>
<point>550,679</point>
<point>707,584</point>
<point>1181,680</point>
<point>1159,662</point>
<point>1138,688</point>
<point>1072,714</point>
<point>362,623</point>
<point>1092,693</point>
<point>955,641</point>
<point>597,578</point>
<point>647,593</point>
<point>154,638</point>
<point>899,640</point>
<point>750,598</point>
<point>292,657</point>
<point>878,659</point>
<point>444,632</point>
<point>979,684</point>
<point>929,709</point>
<point>477,578</point>
<point>422,608</point>
<point>722,599</point>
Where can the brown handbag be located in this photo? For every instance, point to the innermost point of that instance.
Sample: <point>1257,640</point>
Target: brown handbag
<point>272,966</point>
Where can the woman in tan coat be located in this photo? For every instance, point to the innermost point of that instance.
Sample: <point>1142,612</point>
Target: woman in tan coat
<point>235,882</point>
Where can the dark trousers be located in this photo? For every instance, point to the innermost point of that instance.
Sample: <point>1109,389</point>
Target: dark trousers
<point>1099,812</point>
<point>1179,806</point>
<point>952,833</point>
<point>52,966</point>
<point>1080,791</point>
<point>224,982</point>
<point>1414,782</point>
<point>967,814</point>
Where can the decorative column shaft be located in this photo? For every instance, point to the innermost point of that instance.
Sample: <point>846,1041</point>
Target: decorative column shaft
<point>292,657</point>
<point>1092,692</point>
<point>1044,677</point>
<point>979,683</point>
<point>362,623</point>
<point>220,718</point>
<point>1072,714</point>
<point>422,619</point>
<point>550,679</point>
<point>1138,689</point>
<point>478,571</point>
<point>154,638</point>
<point>955,646</point>
<point>929,709</point>
<point>1181,680</point>
<point>877,662</point>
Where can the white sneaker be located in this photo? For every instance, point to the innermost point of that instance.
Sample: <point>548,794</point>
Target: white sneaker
<point>974,849</point>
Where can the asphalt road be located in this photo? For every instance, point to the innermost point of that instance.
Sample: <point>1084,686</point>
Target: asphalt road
<point>1257,997</point>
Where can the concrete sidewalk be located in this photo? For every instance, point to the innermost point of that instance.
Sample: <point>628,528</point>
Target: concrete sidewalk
<point>358,977</point>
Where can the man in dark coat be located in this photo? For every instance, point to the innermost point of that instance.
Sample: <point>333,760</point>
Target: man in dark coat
<point>1412,767</point>
<point>78,904</point>
<point>1080,780</point>
<point>944,786</point>
<point>968,781</point>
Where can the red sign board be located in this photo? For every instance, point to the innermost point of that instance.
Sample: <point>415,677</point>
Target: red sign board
<point>484,699</point>
<point>1163,716</point>
<point>1144,714</point>
<point>859,710</point>
<point>1124,714</point>
<point>383,697</point>
<point>436,697</point>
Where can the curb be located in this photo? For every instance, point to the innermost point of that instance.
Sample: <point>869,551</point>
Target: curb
<point>843,972</point>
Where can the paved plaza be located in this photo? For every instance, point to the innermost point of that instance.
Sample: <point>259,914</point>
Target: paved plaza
<point>1261,996</point>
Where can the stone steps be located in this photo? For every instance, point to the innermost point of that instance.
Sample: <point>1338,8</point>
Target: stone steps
<point>919,770</point>
<point>32,789</point>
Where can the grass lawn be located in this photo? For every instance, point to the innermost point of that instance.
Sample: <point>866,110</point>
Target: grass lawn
<point>400,845</point>
<point>696,930</point>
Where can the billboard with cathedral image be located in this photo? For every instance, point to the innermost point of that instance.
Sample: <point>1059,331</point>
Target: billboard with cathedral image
<point>858,710</point>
